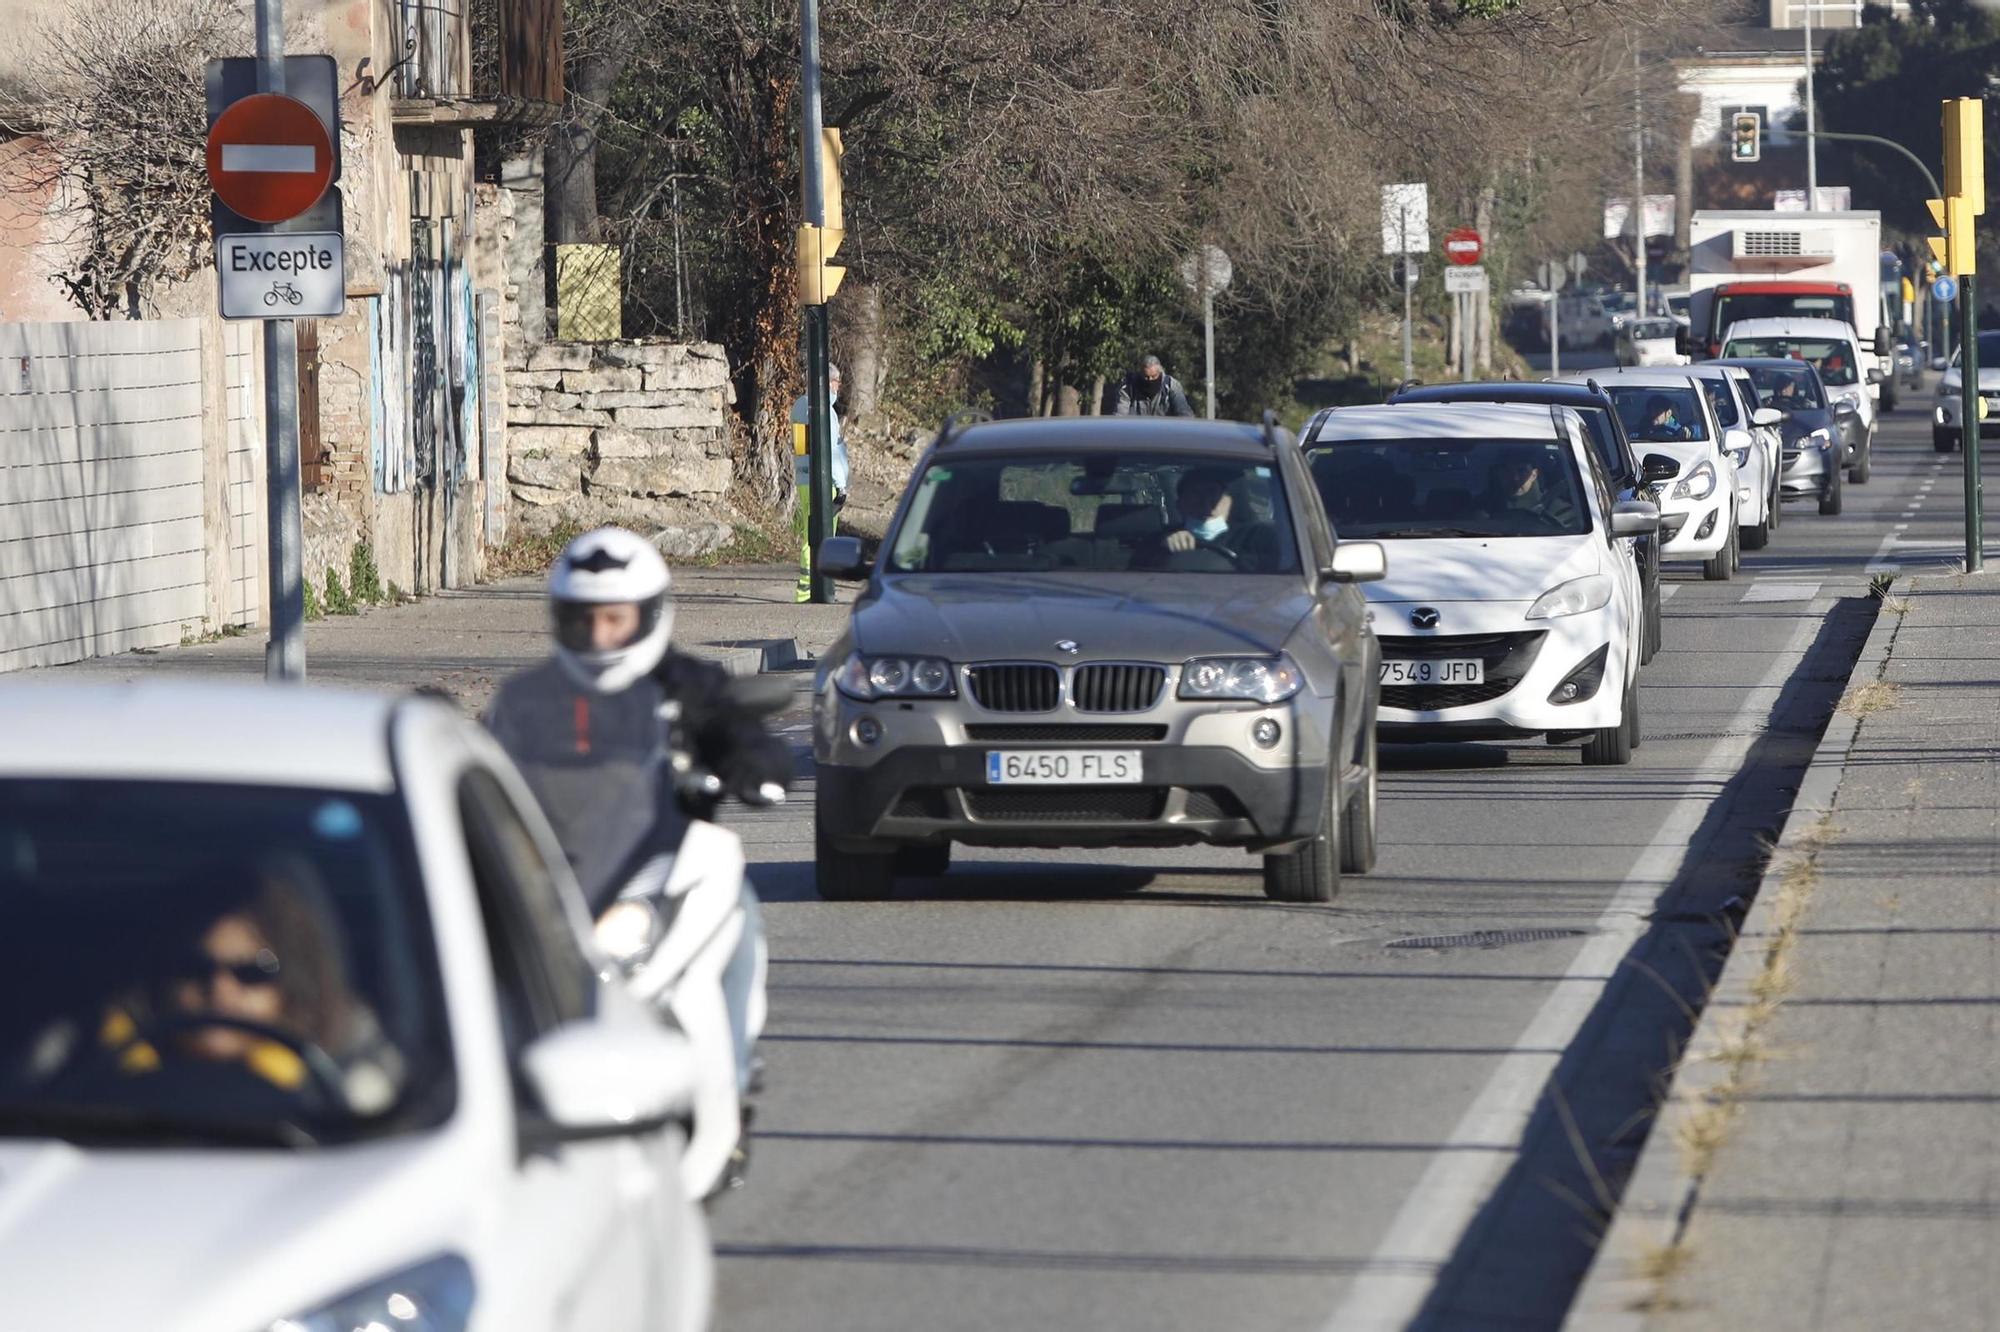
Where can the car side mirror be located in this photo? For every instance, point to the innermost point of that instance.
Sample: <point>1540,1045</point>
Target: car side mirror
<point>1767,416</point>
<point>1940,363</point>
<point>1660,467</point>
<point>1630,518</point>
<point>1845,407</point>
<point>842,557</point>
<point>1875,375</point>
<point>597,1080</point>
<point>1885,345</point>
<point>1357,562</point>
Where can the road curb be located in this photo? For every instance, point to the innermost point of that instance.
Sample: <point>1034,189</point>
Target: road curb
<point>1661,1194</point>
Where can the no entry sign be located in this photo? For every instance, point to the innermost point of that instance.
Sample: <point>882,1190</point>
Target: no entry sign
<point>269,158</point>
<point>1464,247</point>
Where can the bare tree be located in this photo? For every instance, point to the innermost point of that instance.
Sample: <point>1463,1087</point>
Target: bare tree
<point>114,90</point>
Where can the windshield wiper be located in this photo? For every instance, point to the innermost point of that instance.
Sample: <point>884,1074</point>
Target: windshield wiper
<point>1400,533</point>
<point>89,1125</point>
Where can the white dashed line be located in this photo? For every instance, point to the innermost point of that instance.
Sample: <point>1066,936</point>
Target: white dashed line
<point>1782,592</point>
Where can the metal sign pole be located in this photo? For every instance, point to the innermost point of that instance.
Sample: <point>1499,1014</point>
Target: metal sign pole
<point>819,398</point>
<point>1555,333</point>
<point>1968,429</point>
<point>1403,240</point>
<point>285,654</point>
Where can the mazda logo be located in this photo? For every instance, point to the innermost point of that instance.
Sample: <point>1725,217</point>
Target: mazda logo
<point>1424,617</point>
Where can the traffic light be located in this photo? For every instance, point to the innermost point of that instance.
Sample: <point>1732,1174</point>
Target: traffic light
<point>1952,250</point>
<point>818,279</point>
<point>1746,136</point>
<point>1965,151</point>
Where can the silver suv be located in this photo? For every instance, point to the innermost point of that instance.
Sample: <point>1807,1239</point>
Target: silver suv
<point>1101,633</point>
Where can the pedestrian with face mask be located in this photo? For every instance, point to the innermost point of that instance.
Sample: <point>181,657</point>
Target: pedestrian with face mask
<point>802,477</point>
<point>1151,391</point>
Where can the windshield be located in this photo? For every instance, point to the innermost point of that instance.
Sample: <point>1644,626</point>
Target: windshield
<point>1722,398</point>
<point>1103,513</point>
<point>1451,488</point>
<point>1834,360</point>
<point>1645,329</point>
<point>1663,414</point>
<point>1786,389</point>
<point>1732,308</point>
<point>213,965</point>
<point>1989,352</point>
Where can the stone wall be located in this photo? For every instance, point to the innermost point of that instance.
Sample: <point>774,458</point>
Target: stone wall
<point>623,432</point>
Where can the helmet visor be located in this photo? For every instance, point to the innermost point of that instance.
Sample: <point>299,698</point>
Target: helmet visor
<point>604,626</point>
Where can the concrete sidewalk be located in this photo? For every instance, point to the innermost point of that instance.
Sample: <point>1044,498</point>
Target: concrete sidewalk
<point>466,641</point>
<point>1830,1155</point>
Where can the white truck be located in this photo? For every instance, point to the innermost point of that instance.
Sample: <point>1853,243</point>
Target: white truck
<point>1767,265</point>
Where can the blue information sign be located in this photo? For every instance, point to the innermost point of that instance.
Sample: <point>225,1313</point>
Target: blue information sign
<point>1945,289</point>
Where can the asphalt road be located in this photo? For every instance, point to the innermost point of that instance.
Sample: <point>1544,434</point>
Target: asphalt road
<point>1075,1090</point>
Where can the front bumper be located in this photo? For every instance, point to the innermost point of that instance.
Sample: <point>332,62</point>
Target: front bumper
<point>1203,779</point>
<point>1187,796</point>
<point>1945,416</point>
<point>1527,661</point>
<point>1694,529</point>
<point>1808,473</point>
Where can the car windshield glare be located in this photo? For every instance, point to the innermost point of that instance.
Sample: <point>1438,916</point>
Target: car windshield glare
<point>1420,488</point>
<point>1835,361</point>
<point>1099,513</point>
<point>1659,414</point>
<point>214,965</point>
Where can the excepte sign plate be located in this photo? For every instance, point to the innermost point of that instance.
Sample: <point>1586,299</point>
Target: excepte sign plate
<point>282,276</point>
<point>1464,280</point>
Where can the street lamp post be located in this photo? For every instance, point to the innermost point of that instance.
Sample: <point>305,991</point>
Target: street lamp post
<point>819,402</point>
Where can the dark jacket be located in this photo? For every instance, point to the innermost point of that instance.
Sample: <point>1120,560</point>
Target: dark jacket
<point>733,744</point>
<point>1139,396</point>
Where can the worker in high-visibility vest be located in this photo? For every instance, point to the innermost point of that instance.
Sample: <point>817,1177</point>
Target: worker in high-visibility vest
<point>802,474</point>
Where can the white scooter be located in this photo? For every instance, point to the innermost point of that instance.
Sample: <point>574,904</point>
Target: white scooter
<point>683,924</point>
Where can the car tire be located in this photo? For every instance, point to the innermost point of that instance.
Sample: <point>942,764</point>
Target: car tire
<point>1612,746</point>
<point>1776,511</point>
<point>1757,536</point>
<point>1655,627</point>
<point>1830,499</point>
<point>1736,553</point>
<point>920,860</point>
<point>1858,473</point>
<point>1721,567</point>
<point>850,876</point>
<point>1887,402</point>
<point>1357,822</point>
<point>1943,441</point>
<point>1311,873</point>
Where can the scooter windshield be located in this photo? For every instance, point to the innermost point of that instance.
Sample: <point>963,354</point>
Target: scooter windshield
<point>599,766</point>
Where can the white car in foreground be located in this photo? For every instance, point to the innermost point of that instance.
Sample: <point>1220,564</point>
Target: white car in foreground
<point>1668,417</point>
<point>302,1031</point>
<point>1512,608</point>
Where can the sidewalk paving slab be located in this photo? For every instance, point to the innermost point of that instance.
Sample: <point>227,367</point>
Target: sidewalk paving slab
<point>1855,1186</point>
<point>466,641</point>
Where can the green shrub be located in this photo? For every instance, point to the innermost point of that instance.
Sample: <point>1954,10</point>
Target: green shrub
<point>364,580</point>
<point>338,600</point>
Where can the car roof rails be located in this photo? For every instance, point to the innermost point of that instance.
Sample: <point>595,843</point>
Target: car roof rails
<point>956,424</point>
<point>1271,429</point>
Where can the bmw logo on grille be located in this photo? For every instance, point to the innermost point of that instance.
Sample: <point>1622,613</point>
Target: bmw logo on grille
<point>1424,617</point>
<point>1069,646</point>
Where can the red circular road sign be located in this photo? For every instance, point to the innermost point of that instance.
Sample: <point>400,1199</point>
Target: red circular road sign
<point>1464,247</point>
<point>269,157</point>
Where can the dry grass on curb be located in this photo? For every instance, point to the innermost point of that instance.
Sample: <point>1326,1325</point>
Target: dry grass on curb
<point>1706,1118</point>
<point>1873,697</point>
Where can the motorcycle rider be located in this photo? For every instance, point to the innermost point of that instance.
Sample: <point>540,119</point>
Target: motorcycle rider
<point>612,673</point>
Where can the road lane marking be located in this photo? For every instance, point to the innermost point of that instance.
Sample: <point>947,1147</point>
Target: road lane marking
<point>1781,592</point>
<point>1398,1277</point>
<point>1667,592</point>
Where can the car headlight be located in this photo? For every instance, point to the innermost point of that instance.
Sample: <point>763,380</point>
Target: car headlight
<point>1698,484</point>
<point>629,930</point>
<point>1575,597</point>
<point>434,1296</point>
<point>1257,679</point>
<point>1741,457</point>
<point>896,677</point>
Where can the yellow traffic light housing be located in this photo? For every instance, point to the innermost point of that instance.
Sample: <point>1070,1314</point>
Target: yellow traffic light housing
<point>1746,136</point>
<point>1954,250</point>
<point>819,280</point>
<point>1965,151</point>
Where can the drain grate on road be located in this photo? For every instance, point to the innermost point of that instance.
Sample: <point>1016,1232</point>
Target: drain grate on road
<point>1482,939</point>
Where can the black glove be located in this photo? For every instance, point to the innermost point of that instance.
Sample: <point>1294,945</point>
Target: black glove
<point>839,500</point>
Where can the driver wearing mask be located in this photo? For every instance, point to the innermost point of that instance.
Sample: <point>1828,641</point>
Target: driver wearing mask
<point>1203,501</point>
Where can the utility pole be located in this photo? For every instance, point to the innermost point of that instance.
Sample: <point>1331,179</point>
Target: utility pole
<point>1812,142</point>
<point>819,428</point>
<point>1403,238</point>
<point>1638,187</point>
<point>285,654</point>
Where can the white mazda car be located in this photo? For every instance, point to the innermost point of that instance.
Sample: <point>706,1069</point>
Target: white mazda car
<point>1673,429</point>
<point>301,1030</point>
<point>1511,608</point>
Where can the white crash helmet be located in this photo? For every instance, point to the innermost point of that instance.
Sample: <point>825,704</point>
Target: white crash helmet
<point>606,567</point>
